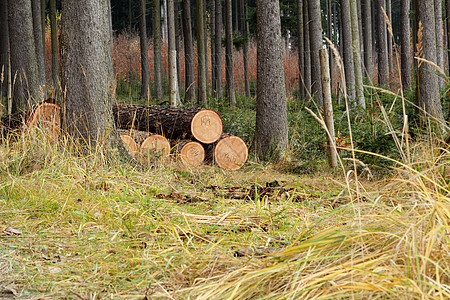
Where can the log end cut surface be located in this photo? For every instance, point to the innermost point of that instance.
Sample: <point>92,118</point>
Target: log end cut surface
<point>206,126</point>
<point>46,117</point>
<point>192,154</point>
<point>156,146</point>
<point>231,152</point>
<point>129,143</point>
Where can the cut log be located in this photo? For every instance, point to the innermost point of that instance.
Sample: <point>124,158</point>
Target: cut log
<point>230,152</point>
<point>129,142</point>
<point>155,146</point>
<point>43,118</point>
<point>191,153</point>
<point>204,125</point>
<point>46,119</point>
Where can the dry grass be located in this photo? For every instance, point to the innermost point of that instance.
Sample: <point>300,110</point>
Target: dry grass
<point>91,229</point>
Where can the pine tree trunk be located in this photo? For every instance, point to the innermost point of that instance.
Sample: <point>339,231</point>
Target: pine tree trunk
<point>405,44</point>
<point>315,29</point>
<point>173,82</point>
<point>245,47</point>
<point>188,53</point>
<point>4,47</point>
<point>427,78</point>
<point>328,108</point>
<point>54,45</point>
<point>330,36</point>
<point>348,50</point>
<point>307,54</point>
<point>145,80</point>
<point>301,50</point>
<point>439,40</point>
<point>271,134</point>
<point>159,94</point>
<point>383,62</point>
<point>212,28</point>
<point>229,54</point>
<point>389,35</point>
<point>24,66</point>
<point>218,48</point>
<point>359,90</point>
<point>202,98</point>
<point>367,21</point>
<point>84,39</point>
<point>37,30</point>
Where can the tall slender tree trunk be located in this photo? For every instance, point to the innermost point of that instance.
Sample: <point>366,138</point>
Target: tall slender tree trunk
<point>330,36</point>
<point>54,44</point>
<point>178,30</point>
<point>427,79</point>
<point>37,30</point>
<point>316,44</point>
<point>383,62</point>
<point>145,80</point>
<point>367,18</point>
<point>212,28</point>
<point>4,48</point>
<point>173,82</point>
<point>357,55</point>
<point>301,50</point>
<point>348,49</point>
<point>229,54</point>
<point>188,53</point>
<point>439,40</point>
<point>24,68</point>
<point>405,44</point>
<point>271,133</point>
<point>218,47</point>
<point>307,54</point>
<point>159,94</point>
<point>245,47</point>
<point>202,97</point>
<point>389,35</point>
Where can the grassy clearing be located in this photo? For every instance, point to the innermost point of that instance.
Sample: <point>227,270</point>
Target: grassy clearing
<point>83,228</point>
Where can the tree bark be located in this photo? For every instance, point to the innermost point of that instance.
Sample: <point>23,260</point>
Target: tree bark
<point>316,44</point>
<point>229,54</point>
<point>348,49</point>
<point>307,54</point>
<point>202,97</point>
<point>159,93</point>
<point>24,68</point>
<point>328,108</point>
<point>4,47</point>
<point>212,28</point>
<point>271,134</point>
<point>145,78</point>
<point>383,67</point>
<point>218,48</point>
<point>367,36</point>
<point>405,44</point>
<point>88,86</point>
<point>359,90</point>
<point>427,79</point>
<point>38,33</point>
<point>173,84</point>
<point>439,41</point>
<point>389,35</point>
<point>54,45</point>
<point>301,50</point>
<point>188,53</point>
<point>245,47</point>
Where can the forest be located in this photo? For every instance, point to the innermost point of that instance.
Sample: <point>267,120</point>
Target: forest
<point>224,149</point>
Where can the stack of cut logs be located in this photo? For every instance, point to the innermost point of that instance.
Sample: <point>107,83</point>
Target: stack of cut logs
<point>195,135</point>
<point>149,132</point>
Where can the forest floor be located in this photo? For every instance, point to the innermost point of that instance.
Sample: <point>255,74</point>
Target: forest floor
<point>80,228</point>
